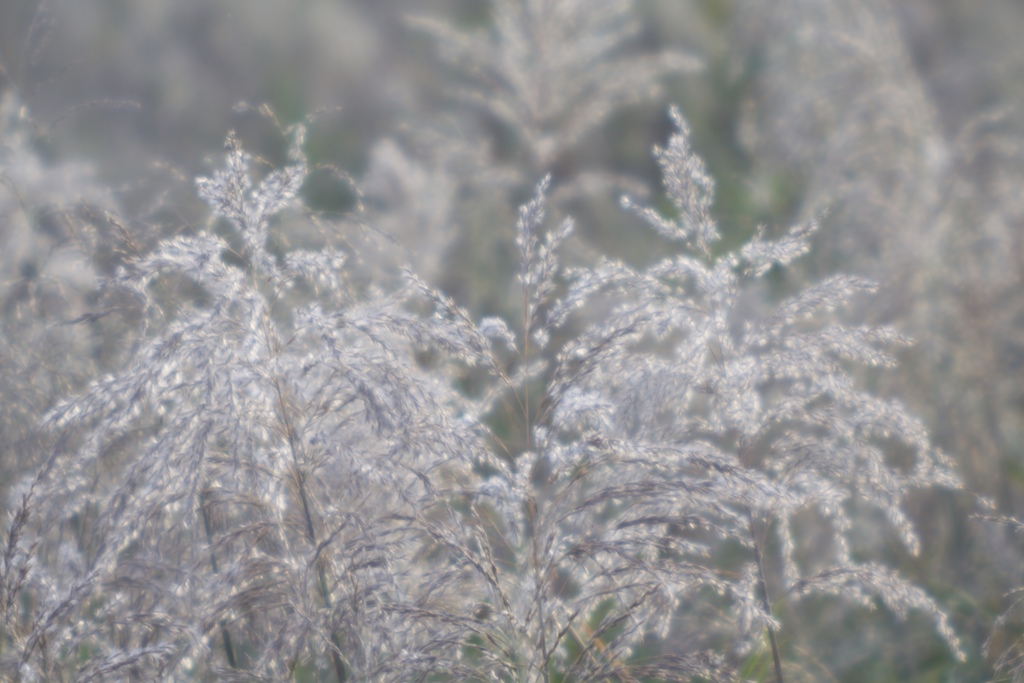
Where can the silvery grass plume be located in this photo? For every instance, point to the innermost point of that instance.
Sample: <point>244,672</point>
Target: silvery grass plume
<point>570,571</point>
<point>843,107</point>
<point>675,425</point>
<point>924,181</point>
<point>50,216</point>
<point>238,502</point>
<point>532,85</point>
<point>767,401</point>
<point>553,71</point>
<point>411,199</point>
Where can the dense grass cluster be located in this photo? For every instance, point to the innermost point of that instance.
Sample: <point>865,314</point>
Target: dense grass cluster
<point>416,422</point>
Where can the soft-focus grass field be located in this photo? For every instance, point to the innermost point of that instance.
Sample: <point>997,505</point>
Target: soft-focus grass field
<point>898,125</point>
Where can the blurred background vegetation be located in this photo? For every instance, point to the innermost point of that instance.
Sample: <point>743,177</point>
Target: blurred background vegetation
<point>899,121</point>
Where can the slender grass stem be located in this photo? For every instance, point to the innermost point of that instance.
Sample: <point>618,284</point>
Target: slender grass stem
<point>300,480</point>
<point>765,600</point>
<point>229,650</point>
